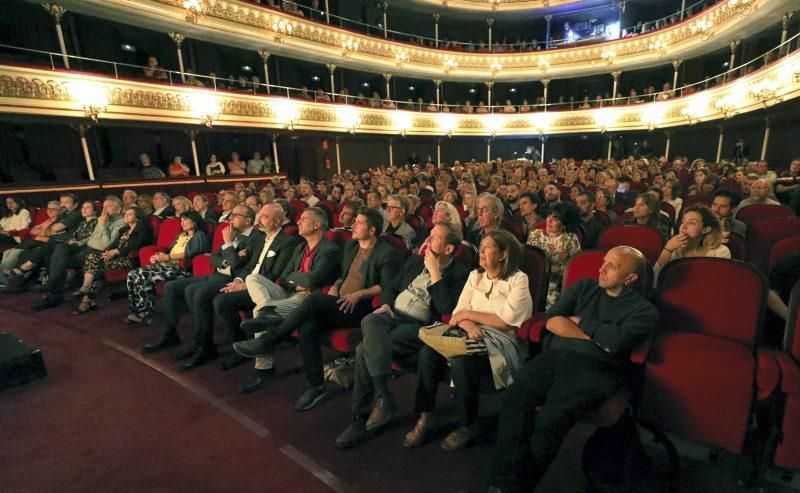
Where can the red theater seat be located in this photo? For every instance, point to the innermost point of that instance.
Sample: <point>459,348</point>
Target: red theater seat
<point>701,375</point>
<point>755,212</point>
<point>168,230</point>
<point>536,264</point>
<point>783,248</point>
<point>201,265</point>
<point>736,244</point>
<point>642,238</point>
<point>763,234</point>
<point>339,236</point>
<point>787,453</point>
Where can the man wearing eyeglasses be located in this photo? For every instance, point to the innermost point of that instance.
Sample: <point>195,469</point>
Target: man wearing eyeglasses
<point>396,207</point>
<point>229,201</point>
<point>196,294</point>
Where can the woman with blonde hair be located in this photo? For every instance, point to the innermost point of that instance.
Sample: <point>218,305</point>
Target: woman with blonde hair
<point>181,204</point>
<point>469,202</point>
<point>446,212</point>
<point>700,235</point>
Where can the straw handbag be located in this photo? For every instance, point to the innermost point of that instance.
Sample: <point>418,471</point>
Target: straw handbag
<point>444,339</point>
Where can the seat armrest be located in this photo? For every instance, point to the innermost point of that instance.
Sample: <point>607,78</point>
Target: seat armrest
<point>790,373</point>
<point>640,352</point>
<point>768,373</point>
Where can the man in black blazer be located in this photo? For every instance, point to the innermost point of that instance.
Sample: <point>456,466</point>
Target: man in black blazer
<point>195,294</point>
<point>427,288</point>
<point>314,264</point>
<point>369,265</point>
<point>269,259</point>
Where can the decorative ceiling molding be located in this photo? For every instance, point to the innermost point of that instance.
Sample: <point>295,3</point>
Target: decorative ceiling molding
<point>44,93</point>
<point>233,22</point>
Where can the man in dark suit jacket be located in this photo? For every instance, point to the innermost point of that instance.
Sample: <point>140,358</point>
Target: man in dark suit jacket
<point>369,265</point>
<point>195,294</point>
<point>268,259</point>
<point>314,264</point>
<point>162,204</point>
<point>428,288</point>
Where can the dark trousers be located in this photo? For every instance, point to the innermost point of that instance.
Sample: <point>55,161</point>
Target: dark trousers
<point>466,372</point>
<point>567,385</point>
<point>227,306</point>
<point>315,316</point>
<point>64,256</point>
<point>384,338</point>
<point>194,295</point>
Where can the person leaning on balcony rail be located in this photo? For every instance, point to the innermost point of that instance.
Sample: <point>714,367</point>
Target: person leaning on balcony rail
<point>214,167</point>
<point>178,168</point>
<point>148,170</point>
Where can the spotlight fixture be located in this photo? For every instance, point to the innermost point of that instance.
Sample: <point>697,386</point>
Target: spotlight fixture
<point>127,48</point>
<point>315,78</point>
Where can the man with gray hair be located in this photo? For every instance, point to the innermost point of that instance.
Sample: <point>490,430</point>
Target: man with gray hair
<point>760,193</point>
<point>162,203</point>
<point>129,197</point>
<point>427,288</point>
<point>396,208</point>
<point>314,264</point>
<point>490,213</point>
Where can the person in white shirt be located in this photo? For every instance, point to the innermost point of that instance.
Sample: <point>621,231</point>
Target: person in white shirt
<point>15,218</point>
<point>307,194</point>
<point>256,165</point>
<point>215,167</point>
<point>700,235</point>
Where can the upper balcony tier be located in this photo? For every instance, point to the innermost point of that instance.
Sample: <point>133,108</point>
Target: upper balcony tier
<point>500,7</point>
<point>35,91</point>
<point>232,22</point>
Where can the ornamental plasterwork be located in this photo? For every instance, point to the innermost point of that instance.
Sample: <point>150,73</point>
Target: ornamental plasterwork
<point>45,93</point>
<point>402,53</point>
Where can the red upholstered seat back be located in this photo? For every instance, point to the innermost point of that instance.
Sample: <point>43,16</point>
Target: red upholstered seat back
<point>603,218</point>
<point>764,233</point>
<point>398,242</point>
<point>712,296</point>
<point>514,226</point>
<point>642,238</point>
<point>467,254</point>
<point>582,265</point>
<point>536,264</point>
<point>736,245</point>
<point>167,232</point>
<point>155,223</point>
<point>217,239</point>
<point>298,206</point>
<point>783,248</point>
<point>791,343</point>
<point>339,236</point>
<point>755,212</point>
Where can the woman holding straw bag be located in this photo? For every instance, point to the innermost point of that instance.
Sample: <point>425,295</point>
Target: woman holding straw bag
<point>494,302</point>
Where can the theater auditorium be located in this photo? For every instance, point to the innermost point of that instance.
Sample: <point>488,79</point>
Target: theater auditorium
<point>417,245</point>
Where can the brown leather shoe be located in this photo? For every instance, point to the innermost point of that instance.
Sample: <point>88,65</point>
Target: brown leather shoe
<point>355,434</point>
<point>416,437</point>
<point>459,438</point>
<point>382,412</point>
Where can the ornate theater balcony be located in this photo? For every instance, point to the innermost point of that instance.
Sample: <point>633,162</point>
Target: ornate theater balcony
<point>233,22</point>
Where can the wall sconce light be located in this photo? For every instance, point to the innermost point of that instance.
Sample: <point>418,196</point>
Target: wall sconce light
<point>287,112</point>
<point>194,10</point>
<point>607,55</point>
<point>282,28</point>
<point>449,65</point>
<point>765,91</point>
<point>349,46</point>
<point>543,65</point>
<point>91,97</point>
<point>495,67</point>
<point>604,119</point>
<point>206,107</point>
<point>447,123</point>
<point>703,28</point>
<point>659,48</point>
<point>743,7</point>
<point>726,105</point>
<point>349,118</point>
<point>400,58</point>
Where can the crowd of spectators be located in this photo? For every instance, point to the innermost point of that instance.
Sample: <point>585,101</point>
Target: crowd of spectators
<point>275,256</point>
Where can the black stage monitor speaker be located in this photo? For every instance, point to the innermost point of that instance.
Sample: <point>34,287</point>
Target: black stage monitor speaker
<point>19,362</point>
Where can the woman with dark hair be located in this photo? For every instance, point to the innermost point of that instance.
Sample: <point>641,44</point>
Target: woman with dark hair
<point>672,191</point>
<point>15,217</point>
<point>700,235</point>
<point>494,302</point>
<point>191,241</point>
<point>604,201</point>
<point>560,241</point>
<point>137,234</point>
<point>647,212</point>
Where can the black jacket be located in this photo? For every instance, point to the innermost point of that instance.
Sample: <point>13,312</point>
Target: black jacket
<point>169,211</point>
<point>325,265</point>
<point>444,294</point>
<point>383,265</point>
<point>211,215</point>
<point>282,247</point>
<point>141,236</point>
<point>229,257</point>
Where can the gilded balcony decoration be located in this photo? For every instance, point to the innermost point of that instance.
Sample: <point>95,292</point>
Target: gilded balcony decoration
<point>25,90</point>
<point>246,24</point>
<point>489,6</point>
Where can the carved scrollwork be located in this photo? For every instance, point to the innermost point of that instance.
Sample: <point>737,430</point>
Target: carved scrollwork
<point>245,108</point>
<point>149,99</point>
<point>21,87</point>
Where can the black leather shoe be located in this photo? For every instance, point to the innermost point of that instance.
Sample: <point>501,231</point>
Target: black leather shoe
<point>262,378</point>
<point>166,340</point>
<point>353,435</point>
<point>258,347</point>
<point>40,288</point>
<point>262,322</point>
<point>47,302</point>
<point>185,353</point>
<point>203,354</point>
<point>231,361</point>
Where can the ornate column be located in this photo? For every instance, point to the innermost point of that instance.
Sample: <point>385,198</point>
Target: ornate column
<point>438,83</point>
<point>57,11</point>
<point>785,31</point>
<point>388,77</point>
<point>438,152</point>
<point>436,29</point>
<point>264,54</point>
<point>331,68</point>
<point>766,139</point>
<point>327,13</point>
<point>666,148</point>
<point>541,154</point>
<point>488,149</point>
<point>615,74</point>
<point>548,18</point>
<point>391,151</point>
<point>733,45</point>
<point>490,22</point>
<point>683,9</point>
<point>275,153</point>
<point>87,158</point>
<point>545,83</point>
<point>338,156</point>
<point>193,138</point>
<point>385,23</point>
<point>676,64</point>
<point>610,140</point>
<point>720,142</point>
<point>489,85</point>
<point>178,39</point>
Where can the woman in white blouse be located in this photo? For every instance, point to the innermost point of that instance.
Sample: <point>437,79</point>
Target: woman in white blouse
<point>16,217</point>
<point>700,235</point>
<point>493,304</point>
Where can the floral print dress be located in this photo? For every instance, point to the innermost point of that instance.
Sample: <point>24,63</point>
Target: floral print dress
<point>560,249</point>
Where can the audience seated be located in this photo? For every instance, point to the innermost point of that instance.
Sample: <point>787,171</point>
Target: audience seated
<point>162,205</point>
<point>591,332</point>
<point>165,266</point>
<point>490,213</point>
<point>724,204</point>
<point>760,191</point>
<point>396,208</point>
<point>369,263</point>
<point>38,235</point>
<point>15,218</point>
<point>559,240</point>
<point>647,212</point>
<point>700,235</point>
<point>494,302</point>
